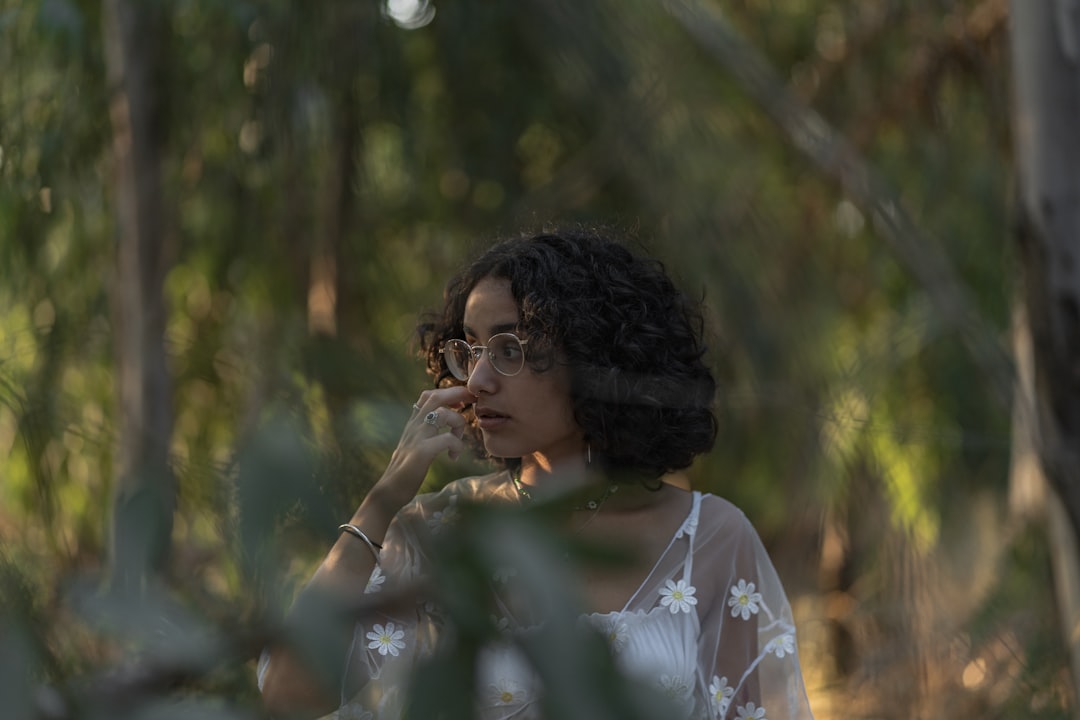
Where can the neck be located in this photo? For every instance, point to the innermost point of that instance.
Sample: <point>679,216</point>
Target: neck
<point>553,477</point>
<point>539,479</point>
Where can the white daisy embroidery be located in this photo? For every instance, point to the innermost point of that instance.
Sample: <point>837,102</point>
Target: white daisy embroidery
<point>744,600</point>
<point>781,645</point>
<point>615,632</point>
<point>353,711</point>
<point>445,517</point>
<point>374,583</point>
<point>720,694</point>
<point>386,639</point>
<point>750,712</point>
<point>678,597</point>
<point>505,691</point>
<point>502,624</point>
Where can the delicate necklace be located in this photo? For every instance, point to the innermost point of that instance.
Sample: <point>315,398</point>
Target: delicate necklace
<point>591,504</point>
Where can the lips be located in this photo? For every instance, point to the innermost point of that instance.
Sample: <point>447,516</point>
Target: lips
<point>488,419</point>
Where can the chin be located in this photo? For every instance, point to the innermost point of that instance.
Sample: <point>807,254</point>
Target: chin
<point>504,449</point>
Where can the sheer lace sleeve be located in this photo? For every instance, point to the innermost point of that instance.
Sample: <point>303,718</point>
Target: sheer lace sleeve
<point>385,648</point>
<point>748,659</point>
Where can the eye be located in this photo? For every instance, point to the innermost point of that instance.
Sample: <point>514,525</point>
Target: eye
<point>509,349</point>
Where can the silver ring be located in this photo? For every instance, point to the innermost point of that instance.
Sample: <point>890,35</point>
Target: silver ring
<point>432,418</point>
<point>415,406</point>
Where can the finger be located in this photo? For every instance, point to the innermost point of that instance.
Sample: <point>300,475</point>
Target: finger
<point>442,418</point>
<point>425,451</point>
<point>412,459</point>
<point>436,418</point>
<point>456,396</point>
<point>450,443</point>
<point>449,418</point>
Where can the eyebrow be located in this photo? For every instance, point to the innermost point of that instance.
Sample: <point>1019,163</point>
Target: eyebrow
<point>505,327</point>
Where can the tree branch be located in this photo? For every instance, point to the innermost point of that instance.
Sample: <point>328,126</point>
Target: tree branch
<point>837,158</point>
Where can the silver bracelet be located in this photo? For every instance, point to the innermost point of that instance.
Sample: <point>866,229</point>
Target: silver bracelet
<point>373,546</point>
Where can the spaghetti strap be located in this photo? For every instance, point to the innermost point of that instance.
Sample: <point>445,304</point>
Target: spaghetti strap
<point>690,529</point>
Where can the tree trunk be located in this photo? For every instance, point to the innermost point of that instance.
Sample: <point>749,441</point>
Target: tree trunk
<point>1046,68</point>
<point>144,496</point>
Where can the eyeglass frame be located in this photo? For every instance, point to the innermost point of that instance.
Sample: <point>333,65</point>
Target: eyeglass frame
<point>472,351</point>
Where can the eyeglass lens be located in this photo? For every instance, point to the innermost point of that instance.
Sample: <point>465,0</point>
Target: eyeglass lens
<point>505,353</point>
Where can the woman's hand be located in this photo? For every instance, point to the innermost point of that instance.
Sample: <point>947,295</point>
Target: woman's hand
<point>436,426</point>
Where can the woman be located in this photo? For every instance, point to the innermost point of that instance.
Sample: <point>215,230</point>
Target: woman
<point>576,367</point>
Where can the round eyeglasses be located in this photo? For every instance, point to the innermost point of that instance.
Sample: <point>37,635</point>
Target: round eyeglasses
<point>505,351</point>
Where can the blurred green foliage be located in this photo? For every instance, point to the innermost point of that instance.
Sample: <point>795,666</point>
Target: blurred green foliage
<point>339,150</point>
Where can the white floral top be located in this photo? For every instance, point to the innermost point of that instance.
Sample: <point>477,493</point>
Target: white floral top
<point>710,627</point>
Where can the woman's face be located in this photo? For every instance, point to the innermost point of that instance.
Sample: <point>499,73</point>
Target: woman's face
<point>528,413</point>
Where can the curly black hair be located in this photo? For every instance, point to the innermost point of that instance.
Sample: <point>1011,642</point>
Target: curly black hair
<point>640,389</point>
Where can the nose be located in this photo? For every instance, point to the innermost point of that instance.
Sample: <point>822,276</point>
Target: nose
<point>483,378</point>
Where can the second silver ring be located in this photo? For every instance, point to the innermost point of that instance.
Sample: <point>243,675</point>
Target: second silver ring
<point>432,418</point>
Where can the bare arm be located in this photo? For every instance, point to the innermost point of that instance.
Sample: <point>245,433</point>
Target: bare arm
<point>288,686</point>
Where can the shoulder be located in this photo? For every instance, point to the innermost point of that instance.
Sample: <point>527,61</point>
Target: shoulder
<point>722,514</point>
<point>724,531</point>
<point>715,504</point>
